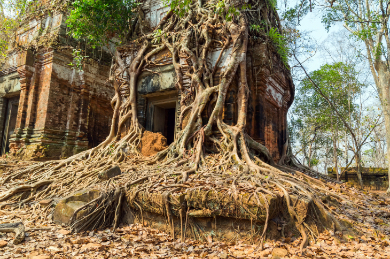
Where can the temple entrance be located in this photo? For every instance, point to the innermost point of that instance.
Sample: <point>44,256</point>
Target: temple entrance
<point>164,121</point>
<point>10,122</point>
<point>161,116</point>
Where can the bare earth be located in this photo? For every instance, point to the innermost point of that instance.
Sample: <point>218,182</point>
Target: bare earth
<point>44,239</point>
<point>47,240</point>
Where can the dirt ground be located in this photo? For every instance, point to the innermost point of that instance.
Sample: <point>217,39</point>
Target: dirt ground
<point>47,240</point>
<point>44,239</point>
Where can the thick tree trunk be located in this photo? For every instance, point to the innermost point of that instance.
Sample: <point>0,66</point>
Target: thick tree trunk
<point>305,157</point>
<point>359,168</point>
<point>334,136</point>
<point>346,155</point>
<point>383,88</point>
<point>309,157</point>
<point>236,164</point>
<point>311,148</point>
<point>386,115</point>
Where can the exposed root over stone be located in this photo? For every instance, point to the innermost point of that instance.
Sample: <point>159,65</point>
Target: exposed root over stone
<point>17,228</point>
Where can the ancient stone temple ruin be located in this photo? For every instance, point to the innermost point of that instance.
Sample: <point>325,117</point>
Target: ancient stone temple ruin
<point>47,111</point>
<point>270,85</point>
<point>373,178</point>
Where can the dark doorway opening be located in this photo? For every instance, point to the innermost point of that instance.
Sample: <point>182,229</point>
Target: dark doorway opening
<point>9,123</point>
<point>164,120</point>
<point>170,122</point>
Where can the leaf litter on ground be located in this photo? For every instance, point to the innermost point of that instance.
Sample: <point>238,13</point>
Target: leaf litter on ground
<point>44,239</point>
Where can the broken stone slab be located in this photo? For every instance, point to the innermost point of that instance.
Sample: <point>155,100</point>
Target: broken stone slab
<point>279,253</point>
<point>66,207</point>
<point>45,203</point>
<point>3,243</point>
<point>17,228</point>
<point>110,173</point>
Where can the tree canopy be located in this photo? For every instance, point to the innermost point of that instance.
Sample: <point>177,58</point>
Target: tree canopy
<point>98,21</point>
<point>11,13</point>
<point>339,82</point>
<point>313,117</point>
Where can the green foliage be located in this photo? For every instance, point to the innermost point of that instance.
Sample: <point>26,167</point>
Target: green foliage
<point>339,83</point>
<point>280,43</point>
<point>293,15</point>
<point>255,27</point>
<point>157,36</point>
<point>315,121</point>
<point>273,4</point>
<point>11,16</point>
<point>182,7</point>
<point>77,59</point>
<point>98,21</point>
<point>179,7</point>
<point>228,11</point>
<point>348,11</point>
<point>314,161</point>
<point>364,19</point>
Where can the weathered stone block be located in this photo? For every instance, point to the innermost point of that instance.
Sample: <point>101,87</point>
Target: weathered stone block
<point>110,173</point>
<point>66,207</point>
<point>45,203</point>
<point>279,253</point>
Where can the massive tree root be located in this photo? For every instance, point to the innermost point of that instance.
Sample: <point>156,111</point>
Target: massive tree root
<point>209,161</point>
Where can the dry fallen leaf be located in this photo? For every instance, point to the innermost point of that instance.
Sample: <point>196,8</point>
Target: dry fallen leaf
<point>209,239</point>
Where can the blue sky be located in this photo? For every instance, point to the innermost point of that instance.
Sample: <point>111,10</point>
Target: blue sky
<point>312,23</point>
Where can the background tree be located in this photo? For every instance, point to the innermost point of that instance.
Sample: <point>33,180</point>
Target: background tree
<point>12,13</point>
<point>357,125</point>
<point>375,154</point>
<point>368,21</point>
<point>211,148</point>
<point>339,84</point>
<point>102,22</point>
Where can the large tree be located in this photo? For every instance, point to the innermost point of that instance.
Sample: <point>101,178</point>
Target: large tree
<point>329,102</point>
<point>339,83</point>
<point>10,13</point>
<point>218,161</point>
<point>368,22</point>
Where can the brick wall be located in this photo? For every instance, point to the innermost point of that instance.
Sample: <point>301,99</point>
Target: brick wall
<point>271,94</point>
<point>61,111</point>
